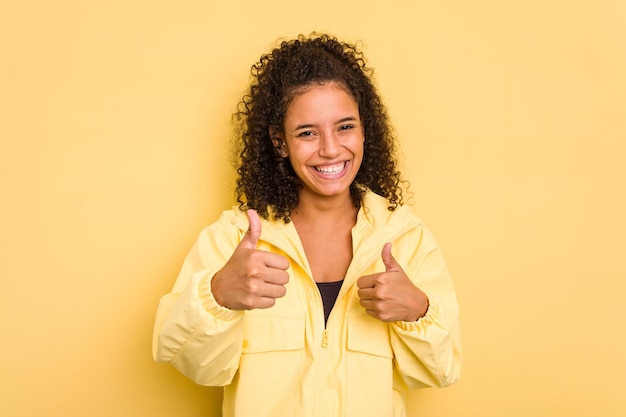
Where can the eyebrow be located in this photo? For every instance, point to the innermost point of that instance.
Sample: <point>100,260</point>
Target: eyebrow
<point>310,125</point>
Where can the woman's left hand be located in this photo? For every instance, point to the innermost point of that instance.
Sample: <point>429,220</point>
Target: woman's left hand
<point>390,295</point>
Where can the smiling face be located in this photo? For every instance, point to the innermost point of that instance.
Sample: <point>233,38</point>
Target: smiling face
<point>323,138</point>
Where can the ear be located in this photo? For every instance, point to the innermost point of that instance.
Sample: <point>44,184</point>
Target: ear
<point>278,140</point>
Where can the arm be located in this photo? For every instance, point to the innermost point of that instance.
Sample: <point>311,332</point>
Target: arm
<point>199,326</point>
<point>428,351</point>
<point>192,331</point>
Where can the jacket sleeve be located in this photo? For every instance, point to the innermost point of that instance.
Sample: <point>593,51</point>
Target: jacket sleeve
<point>427,352</point>
<point>200,338</point>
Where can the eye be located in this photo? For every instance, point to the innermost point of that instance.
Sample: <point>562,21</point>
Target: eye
<point>305,134</point>
<point>346,127</point>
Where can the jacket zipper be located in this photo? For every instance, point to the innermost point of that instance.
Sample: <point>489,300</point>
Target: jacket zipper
<point>322,373</point>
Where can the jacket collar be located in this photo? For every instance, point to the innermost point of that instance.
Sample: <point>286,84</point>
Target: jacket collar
<point>375,226</point>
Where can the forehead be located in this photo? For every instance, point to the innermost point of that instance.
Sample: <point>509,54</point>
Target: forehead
<point>317,99</point>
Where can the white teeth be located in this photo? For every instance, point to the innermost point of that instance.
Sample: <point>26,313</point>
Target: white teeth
<point>331,169</point>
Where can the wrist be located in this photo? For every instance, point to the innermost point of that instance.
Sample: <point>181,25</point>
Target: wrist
<point>422,309</point>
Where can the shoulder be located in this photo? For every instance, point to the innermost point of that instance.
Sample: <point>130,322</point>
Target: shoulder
<point>376,210</point>
<point>234,222</point>
<point>229,224</point>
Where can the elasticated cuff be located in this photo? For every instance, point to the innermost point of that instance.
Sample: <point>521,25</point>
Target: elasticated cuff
<point>431,317</point>
<point>209,302</point>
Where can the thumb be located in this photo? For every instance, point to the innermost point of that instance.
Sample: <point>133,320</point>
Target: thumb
<point>254,231</point>
<point>388,259</point>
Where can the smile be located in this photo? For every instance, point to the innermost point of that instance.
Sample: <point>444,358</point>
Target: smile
<point>331,170</point>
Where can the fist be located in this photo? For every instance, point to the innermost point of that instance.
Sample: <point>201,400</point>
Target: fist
<point>390,295</point>
<point>251,278</point>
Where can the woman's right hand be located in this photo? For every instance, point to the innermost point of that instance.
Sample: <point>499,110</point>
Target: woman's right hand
<point>251,278</point>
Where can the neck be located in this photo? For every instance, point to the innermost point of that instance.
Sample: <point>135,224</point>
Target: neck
<point>317,209</point>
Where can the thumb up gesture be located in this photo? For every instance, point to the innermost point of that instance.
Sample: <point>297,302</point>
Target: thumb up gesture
<point>390,295</point>
<point>251,278</point>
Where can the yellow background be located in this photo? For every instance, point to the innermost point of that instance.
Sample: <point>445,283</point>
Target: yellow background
<point>114,127</point>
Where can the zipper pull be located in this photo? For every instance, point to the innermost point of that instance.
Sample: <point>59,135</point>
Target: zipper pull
<point>324,339</point>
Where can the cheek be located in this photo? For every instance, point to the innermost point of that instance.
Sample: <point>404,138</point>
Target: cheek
<point>301,151</point>
<point>360,154</point>
<point>359,146</point>
<point>297,158</point>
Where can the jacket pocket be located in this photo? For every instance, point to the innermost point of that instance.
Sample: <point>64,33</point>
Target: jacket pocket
<point>270,369</point>
<point>368,335</point>
<point>269,333</point>
<point>369,391</point>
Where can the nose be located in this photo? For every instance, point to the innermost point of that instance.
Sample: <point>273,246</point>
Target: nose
<point>329,145</point>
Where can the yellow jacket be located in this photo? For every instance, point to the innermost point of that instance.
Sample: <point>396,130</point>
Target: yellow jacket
<point>284,361</point>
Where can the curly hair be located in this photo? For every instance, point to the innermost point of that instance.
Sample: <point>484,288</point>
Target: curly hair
<point>266,182</point>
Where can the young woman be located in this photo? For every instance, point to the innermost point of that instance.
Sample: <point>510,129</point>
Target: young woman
<point>320,294</point>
